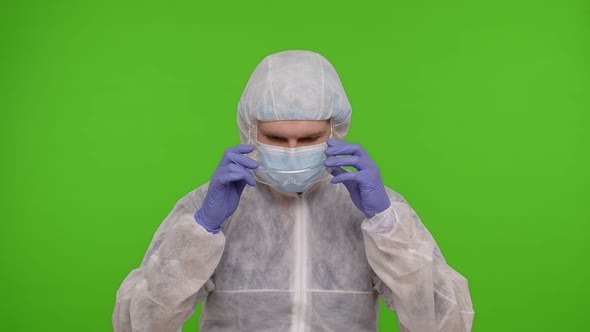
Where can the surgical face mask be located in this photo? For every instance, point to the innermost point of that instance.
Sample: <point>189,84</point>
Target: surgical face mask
<point>291,169</point>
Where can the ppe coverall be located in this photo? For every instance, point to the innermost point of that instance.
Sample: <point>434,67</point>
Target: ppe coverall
<point>293,262</point>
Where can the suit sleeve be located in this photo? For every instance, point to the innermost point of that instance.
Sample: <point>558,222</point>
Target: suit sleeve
<point>412,275</point>
<point>175,274</point>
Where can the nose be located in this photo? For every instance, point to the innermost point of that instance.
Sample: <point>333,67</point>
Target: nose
<point>292,143</point>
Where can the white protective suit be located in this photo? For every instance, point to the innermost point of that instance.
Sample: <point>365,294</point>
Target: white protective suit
<point>289,262</point>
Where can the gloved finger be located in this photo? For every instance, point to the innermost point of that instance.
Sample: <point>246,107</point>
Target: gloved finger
<point>343,161</point>
<point>336,148</point>
<point>241,148</point>
<point>334,142</point>
<point>241,160</point>
<point>345,177</point>
<point>337,171</point>
<point>233,168</point>
<point>240,187</point>
<point>233,155</point>
<point>232,177</point>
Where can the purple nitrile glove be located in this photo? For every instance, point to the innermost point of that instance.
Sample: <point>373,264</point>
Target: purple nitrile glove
<point>226,186</point>
<point>365,185</point>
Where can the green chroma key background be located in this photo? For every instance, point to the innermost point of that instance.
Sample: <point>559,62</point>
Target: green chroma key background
<point>475,111</point>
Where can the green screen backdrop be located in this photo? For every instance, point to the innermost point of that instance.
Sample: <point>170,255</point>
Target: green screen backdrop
<point>475,111</point>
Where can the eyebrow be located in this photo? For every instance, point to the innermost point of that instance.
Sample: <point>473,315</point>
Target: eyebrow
<point>319,133</point>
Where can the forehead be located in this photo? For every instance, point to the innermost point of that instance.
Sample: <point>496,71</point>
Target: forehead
<point>288,128</point>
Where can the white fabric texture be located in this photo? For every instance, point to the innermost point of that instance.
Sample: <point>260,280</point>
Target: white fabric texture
<point>289,262</point>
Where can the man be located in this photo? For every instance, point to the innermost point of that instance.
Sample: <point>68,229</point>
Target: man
<point>283,238</point>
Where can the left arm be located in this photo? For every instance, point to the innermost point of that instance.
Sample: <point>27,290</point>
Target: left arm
<point>412,275</point>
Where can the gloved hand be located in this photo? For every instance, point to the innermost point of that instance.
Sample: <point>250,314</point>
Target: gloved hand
<point>365,185</point>
<point>226,186</point>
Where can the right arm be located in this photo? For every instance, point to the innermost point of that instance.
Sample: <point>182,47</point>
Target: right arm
<point>175,273</point>
<point>161,294</point>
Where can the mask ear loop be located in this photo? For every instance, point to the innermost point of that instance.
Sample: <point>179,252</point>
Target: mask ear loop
<point>330,169</point>
<point>331,130</point>
<point>252,139</point>
<point>252,132</point>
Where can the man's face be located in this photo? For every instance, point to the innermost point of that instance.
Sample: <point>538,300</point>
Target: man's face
<point>294,133</point>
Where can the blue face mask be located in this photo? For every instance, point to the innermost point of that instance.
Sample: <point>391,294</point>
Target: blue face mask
<point>291,169</point>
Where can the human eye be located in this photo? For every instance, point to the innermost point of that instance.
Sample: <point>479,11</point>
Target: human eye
<point>275,138</point>
<point>310,139</point>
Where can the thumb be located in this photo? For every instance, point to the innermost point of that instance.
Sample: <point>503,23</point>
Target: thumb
<point>350,186</point>
<point>337,171</point>
<point>240,185</point>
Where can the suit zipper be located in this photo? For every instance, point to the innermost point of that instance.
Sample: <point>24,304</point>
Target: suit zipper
<point>300,300</point>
